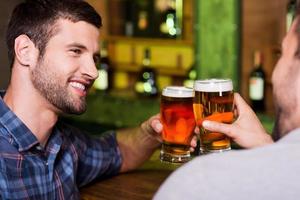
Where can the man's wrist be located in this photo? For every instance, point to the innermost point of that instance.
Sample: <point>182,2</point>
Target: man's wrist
<point>150,140</point>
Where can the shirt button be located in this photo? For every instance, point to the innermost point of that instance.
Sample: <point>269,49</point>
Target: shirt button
<point>46,163</point>
<point>39,148</point>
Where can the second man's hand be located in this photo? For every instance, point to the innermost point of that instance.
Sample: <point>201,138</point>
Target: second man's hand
<point>247,131</point>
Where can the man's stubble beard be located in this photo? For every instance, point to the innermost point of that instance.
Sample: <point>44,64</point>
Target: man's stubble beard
<point>283,111</point>
<point>54,91</point>
<point>276,133</point>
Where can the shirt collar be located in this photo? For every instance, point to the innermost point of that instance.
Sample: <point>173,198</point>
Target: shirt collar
<point>20,133</point>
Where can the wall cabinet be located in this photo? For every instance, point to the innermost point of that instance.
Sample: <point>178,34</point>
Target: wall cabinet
<point>171,58</point>
<point>260,25</point>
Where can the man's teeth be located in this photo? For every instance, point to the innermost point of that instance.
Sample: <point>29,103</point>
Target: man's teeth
<point>78,85</point>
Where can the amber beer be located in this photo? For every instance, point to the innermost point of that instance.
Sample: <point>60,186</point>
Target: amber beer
<point>178,123</point>
<point>213,101</point>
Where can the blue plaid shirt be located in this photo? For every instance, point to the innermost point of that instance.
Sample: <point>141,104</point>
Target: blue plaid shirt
<point>70,160</point>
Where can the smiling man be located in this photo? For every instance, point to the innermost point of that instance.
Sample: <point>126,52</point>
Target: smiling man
<point>53,50</point>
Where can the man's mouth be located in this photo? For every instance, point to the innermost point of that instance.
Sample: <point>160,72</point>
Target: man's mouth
<point>77,85</point>
<point>80,88</point>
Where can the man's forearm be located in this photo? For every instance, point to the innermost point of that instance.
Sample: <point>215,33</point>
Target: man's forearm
<point>136,146</point>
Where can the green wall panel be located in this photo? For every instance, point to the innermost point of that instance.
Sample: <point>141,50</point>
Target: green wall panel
<point>217,39</point>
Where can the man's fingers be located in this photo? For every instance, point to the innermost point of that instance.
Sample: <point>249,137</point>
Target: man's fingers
<point>238,99</point>
<point>156,125</point>
<point>197,130</point>
<point>192,149</point>
<point>218,127</point>
<point>240,103</point>
<point>194,142</point>
<point>153,127</point>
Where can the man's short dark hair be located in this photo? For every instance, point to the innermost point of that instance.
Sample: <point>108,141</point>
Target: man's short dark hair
<point>35,18</point>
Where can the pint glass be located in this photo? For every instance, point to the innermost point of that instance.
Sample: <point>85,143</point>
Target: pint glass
<point>213,101</point>
<point>178,123</point>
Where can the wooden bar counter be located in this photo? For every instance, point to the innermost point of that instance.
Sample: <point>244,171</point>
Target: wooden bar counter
<point>140,184</point>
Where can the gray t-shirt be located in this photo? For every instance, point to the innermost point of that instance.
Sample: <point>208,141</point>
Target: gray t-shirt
<point>269,172</point>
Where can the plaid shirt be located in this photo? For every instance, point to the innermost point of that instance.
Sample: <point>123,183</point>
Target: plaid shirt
<point>70,160</point>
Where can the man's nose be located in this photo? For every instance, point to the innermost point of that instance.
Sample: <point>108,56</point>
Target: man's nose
<point>90,69</point>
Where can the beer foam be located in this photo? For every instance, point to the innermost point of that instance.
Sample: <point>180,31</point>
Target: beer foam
<point>213,85</point>
<point>177,91</point>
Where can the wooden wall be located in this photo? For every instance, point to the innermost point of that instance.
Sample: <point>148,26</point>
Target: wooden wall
<point>263,28</point>
<point>101,8</point>
<point>5,9</point>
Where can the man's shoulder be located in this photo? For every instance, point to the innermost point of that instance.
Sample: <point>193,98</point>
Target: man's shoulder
<point>251,158</point>
<point>236,173</point>
<point>6,146</point>
<point>8,153</point>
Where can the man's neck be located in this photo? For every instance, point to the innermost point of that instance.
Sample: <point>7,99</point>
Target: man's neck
<point>33,110</point>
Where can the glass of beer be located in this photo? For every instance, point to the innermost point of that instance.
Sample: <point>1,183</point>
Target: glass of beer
<point>178,122</point>
<point>213,101</point>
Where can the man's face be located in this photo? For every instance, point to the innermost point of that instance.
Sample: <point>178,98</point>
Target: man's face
<point>67,69</point>
<point>286,87</point>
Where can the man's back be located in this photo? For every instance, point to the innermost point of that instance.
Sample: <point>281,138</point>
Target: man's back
<point>269,172</point>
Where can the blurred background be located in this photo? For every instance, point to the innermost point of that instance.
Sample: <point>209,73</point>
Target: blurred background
<point>149,44</point>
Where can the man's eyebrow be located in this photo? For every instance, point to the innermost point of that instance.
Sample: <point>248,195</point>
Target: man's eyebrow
<point>77,45</point>
<point>80,46</point>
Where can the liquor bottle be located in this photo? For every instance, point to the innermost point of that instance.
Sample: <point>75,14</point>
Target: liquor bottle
<point>129,18</point>
<point>104,80</point>
<point>168,21</point>
<point>146,83</point>
<point>290,13</point>
<point>257,84</point>
<point>142,13</point>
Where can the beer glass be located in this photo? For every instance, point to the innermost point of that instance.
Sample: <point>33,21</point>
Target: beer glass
<point>178,122</point>
<point>213,101</point>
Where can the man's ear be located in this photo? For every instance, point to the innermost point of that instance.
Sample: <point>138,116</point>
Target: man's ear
<point>25,51</point>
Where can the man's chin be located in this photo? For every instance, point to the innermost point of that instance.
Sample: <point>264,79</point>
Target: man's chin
<point>78,111</point>
<point>74,112</point>
<point>75,109</point>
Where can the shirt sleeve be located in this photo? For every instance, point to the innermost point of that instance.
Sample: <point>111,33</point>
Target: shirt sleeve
<point>101,159</point>
<point>98,158</point>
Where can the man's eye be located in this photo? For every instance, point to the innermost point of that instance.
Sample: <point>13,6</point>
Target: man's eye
<point>278,52</point>
<point>76,51</point>
<point>97,60</point>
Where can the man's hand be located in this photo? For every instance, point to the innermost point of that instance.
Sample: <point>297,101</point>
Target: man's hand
<point>155,129</point>
<point>138,144</point>
<point>247,131</point>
